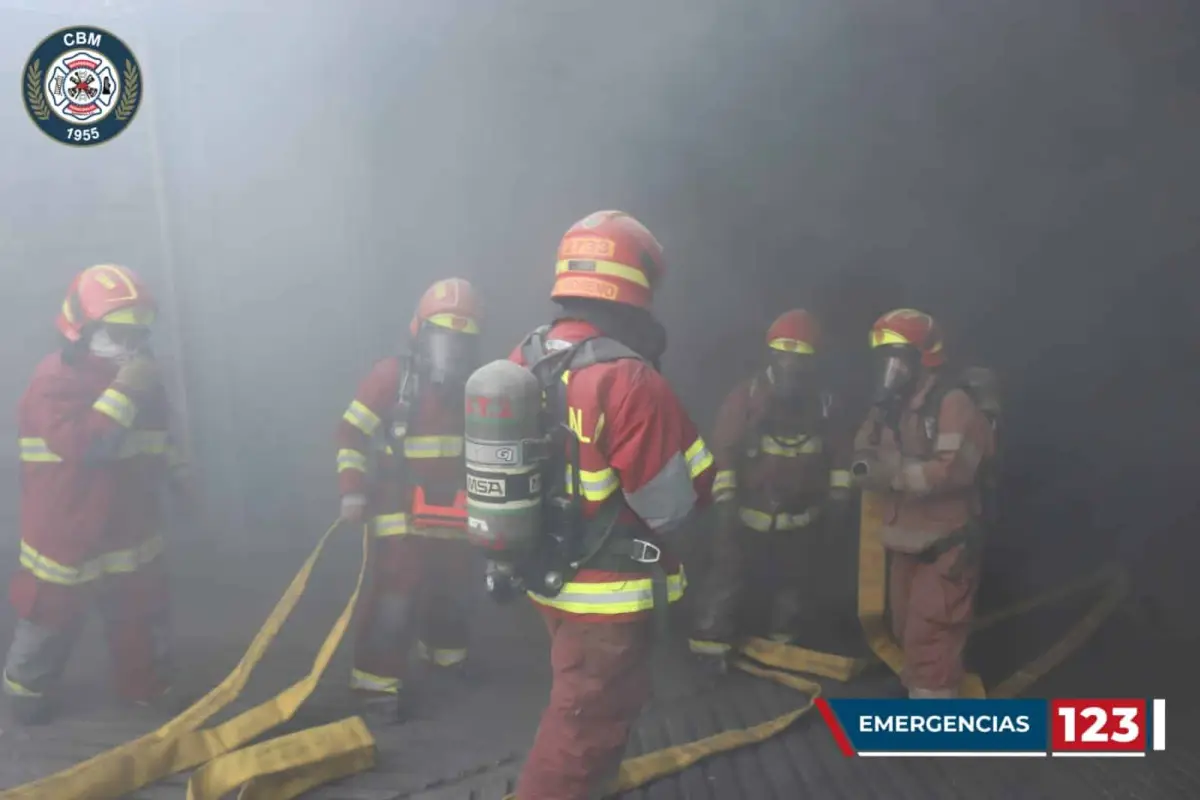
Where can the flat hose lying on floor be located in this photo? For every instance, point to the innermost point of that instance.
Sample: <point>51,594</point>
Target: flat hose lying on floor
<point>777,661</point>
<point>276,769</point>
<point>287,766</point>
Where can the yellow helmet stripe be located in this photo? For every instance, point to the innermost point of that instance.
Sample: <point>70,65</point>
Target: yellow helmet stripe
<point>454,322</point>
<point>609,268</point>
<point>885,337</point>
<point>131,315</point>
<point>791,346</point>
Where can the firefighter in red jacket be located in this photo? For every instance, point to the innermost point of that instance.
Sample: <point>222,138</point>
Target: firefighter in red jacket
<point>94,449</point>
<point>779,471</point>
<point>400,466</point>
<point>639,450</point>
<point>921,448</point>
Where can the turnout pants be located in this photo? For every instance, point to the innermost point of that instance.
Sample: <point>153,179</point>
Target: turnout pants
<point>133,606</point>
<point>602,679</point>
<point>417,598</point>
<point>757,583</point>
<point>932,605</point>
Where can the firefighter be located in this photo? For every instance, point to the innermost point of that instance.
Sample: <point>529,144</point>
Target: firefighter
<point>921,447</point>
<point>96,455</point>
<point>780,472</point>
<point>640,460</point>
<point>400,467</point>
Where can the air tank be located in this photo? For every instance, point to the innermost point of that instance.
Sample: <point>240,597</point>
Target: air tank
<point>505,455</point>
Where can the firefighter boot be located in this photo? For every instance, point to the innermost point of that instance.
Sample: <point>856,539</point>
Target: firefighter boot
<point>29,711</point>
<point>712,660</point>
<point>386,708</point>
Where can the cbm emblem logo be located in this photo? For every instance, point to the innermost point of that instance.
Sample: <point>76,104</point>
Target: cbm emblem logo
<point>82,86</point>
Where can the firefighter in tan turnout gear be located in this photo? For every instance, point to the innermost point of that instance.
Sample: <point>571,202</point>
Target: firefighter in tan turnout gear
<point>922,448</point>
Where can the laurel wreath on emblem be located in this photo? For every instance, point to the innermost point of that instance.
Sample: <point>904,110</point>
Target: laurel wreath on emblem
<point>36,95</point>
<point>34,92</point>
<point>129,92</point>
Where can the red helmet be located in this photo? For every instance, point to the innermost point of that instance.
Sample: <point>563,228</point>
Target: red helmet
<point>611,256</point>
<point>794,331</point>
<point>108,294</point>
<point>911,328</point>
<point>450,303</point>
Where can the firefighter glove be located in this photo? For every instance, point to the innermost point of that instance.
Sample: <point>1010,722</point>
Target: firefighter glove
<point>352,508</point>
<point>138,374</point>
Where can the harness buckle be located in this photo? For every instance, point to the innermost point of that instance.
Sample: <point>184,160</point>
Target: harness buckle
<point>645,552</point>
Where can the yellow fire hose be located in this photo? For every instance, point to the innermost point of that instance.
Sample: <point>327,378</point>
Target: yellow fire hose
<point>277,769</point>
<point>288,766</point>
<point>781,660</point>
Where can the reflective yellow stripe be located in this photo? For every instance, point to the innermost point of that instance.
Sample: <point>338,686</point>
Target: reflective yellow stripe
<point>880,338</point>
<point>366,682</point>
<point>391,524</point>
<point>761,521</point>
<point>597,486</point>
<point>14,688</point>
<point>839,479</point>
<point>35,450</point>
<point>781,447</point>
<point>116,405</point>
<point>454,322</point>
<point>397,525</point>
<point>791,346</point>
<point>143,443</point>
<point>609,268</point>
<point>361,417</point>
<point>433,446</point>
<point>117,561</point>
<point>725,483</point>
<point>130,315</point>
<point>350,459</point>
<point>442,656</point>
<point>704,647</point>
<point>614,597</point>
<point>698,458</point>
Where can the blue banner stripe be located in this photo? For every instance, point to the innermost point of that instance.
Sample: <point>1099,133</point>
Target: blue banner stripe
<point>927,727</point>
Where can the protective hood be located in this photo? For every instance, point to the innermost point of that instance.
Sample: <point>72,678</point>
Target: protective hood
<point>633,327</point>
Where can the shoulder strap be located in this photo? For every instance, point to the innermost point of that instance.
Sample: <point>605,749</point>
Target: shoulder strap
<point>406,397</point>
<point>533,349</point>
<point>549,365</point>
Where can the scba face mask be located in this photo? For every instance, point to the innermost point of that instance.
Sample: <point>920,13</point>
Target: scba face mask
<point>896,371</point>
<point>118,345</point>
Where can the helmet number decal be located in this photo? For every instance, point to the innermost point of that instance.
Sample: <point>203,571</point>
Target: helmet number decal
<point>109,277</point>
<point>588,246</point>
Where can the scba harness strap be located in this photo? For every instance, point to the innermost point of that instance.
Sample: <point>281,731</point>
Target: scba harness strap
<point>601,542</point>
<point>973,534</point>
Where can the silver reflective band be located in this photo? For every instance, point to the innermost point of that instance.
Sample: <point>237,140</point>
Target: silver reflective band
<point>949,441</point>
<point>669,497</point>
